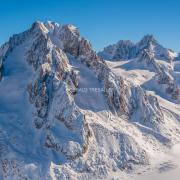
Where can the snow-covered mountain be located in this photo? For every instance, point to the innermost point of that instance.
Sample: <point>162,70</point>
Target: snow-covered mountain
<point>125,49</point>
<point>66,113</point>
<point>148,54</point>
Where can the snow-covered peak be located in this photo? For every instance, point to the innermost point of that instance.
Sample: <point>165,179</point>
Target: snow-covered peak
<point>53,26</point>
<point>72,29</point>
<point>38,26</point>
<point>123,49</point>
<point>129,50</point>
<point>147,41</point>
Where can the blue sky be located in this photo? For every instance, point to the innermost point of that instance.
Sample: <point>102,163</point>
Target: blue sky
<point>102,22</point>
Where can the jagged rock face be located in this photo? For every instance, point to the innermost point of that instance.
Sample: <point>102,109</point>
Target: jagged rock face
<point>117,92</point>
<point>171,87</point>
<point>55,84</point>
<point>146,42</point>
<point>146,58</point>
<point>74,121</point>
<point>119,95</point>
<point>70,37</point>
<point>132,102</point>
<point>51,64</point>
<point>164,74</point>
<point>78,46</point>
<point>149,42</point>
<point>146,108</point>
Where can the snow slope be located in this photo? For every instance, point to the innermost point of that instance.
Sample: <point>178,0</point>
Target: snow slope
<point>17,132</point>
<point>166,168</point>
<point>90,91</point>
<point>129,70</point>
<point>143,71</point>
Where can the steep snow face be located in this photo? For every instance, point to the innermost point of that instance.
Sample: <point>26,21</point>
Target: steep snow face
<point>90,93</point>
<point>18,136</point>
<point>78,117</point>
<point>13,93</point>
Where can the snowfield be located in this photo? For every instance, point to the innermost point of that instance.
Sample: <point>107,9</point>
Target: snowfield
<point>130,70</point>
<point>166,168</point>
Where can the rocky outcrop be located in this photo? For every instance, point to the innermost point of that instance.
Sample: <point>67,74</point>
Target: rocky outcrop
<point>147,59</point>
<point>73,120</point>
<point>166,79</point>
<point>146,108</point>
<point>164,73</point>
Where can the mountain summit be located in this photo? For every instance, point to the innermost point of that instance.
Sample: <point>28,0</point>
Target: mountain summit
<point>128,50</point>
